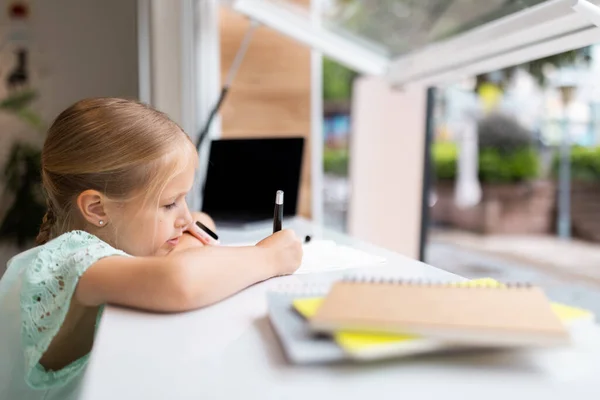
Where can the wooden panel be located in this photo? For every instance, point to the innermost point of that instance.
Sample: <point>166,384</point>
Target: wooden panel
<point>270,95</point>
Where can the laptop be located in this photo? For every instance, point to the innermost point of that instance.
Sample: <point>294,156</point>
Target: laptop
<point>243,176</point>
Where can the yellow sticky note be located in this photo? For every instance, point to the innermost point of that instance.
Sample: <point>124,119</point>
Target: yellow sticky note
<point>571,314</point>
<point>350,341</point>
<point>308,307</point>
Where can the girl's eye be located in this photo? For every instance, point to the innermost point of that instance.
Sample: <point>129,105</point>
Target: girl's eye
<point>170,206</point>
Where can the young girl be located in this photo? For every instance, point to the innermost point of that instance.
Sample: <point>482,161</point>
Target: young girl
<point>117,230</point>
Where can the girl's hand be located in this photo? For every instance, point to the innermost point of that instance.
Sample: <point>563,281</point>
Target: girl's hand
<point>188,241</point>
<point>193,237</point>
<point>286,250</point>
<point>199,234</point>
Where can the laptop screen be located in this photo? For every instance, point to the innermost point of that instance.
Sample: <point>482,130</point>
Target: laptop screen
<point>243,176</point>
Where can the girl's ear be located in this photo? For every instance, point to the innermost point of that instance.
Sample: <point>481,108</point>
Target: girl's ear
<point>91,204</point>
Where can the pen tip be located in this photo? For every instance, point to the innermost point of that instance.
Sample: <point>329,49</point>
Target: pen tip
<point>279,197</point>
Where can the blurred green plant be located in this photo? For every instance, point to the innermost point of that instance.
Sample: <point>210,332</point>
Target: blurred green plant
<point>18,104</point>
<point>335,161</point>
<point>444,156</point>
<point>506,152</point>
<point>495,166</point>
<point>22,175</point>
<point>585,164</point>
<point>337,81</point>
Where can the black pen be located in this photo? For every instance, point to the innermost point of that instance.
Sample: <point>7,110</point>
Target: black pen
<point>207,230</point>
<point>278,214</point>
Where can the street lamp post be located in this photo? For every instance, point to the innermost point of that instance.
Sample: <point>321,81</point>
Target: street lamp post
<point>564,179</point>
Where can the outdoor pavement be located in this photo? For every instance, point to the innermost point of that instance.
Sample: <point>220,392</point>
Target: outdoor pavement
<point>572,289</point>
<point>569,259</point>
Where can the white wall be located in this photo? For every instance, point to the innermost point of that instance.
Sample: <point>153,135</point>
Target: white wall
<point>79,48</point>
<point>166,76</point>
<point>386,165</point>
<point>89,48</point>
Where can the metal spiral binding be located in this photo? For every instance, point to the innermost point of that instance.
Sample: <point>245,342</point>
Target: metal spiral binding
<point>432,283</point>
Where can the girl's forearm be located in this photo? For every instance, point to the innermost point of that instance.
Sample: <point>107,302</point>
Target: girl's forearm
<point>179,282</point>
<point>222,271</point>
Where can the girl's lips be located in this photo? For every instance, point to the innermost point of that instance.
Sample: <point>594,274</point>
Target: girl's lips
<point>173,242</point>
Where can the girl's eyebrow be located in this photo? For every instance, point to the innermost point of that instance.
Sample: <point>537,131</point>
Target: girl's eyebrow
<point>183,193</point>
<point>176,196</point>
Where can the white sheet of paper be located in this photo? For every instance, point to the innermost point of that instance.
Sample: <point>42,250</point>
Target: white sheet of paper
<point>326,255</point>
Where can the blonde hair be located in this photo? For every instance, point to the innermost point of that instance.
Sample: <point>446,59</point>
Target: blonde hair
<point>121,148</point>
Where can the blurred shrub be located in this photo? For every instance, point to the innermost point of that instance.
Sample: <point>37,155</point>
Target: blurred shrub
<point>337,81</point>
<point>335,161</point>
<point>585,163</point>
<point>506,153</point>
<point>495,166</point>
<point>444,156</point>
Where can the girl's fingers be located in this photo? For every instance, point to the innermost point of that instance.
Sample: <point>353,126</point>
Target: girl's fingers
<point>202,236</point>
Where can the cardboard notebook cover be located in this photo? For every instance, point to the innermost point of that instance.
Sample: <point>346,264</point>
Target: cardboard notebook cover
<point>481,315</point>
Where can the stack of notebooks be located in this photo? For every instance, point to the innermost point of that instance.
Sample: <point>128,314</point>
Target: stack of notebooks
<point>368,319</point>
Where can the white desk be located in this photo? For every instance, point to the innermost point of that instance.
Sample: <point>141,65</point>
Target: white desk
<point>229,351</point>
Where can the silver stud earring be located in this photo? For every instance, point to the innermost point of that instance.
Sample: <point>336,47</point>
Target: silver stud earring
<point>101,222</point>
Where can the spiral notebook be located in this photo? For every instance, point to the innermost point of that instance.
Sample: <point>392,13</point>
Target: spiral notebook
<point>290,308</point>
<point>481,315</point>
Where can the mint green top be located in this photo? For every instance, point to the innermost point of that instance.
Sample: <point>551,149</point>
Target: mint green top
<point>35,294</point>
